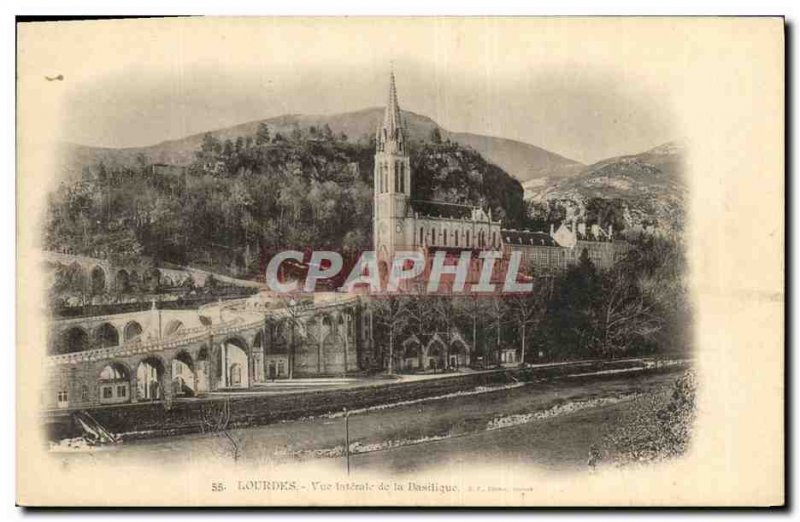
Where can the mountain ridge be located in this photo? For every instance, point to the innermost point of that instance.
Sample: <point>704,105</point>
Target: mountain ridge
<point>522,160</point>
<point>650,184</point>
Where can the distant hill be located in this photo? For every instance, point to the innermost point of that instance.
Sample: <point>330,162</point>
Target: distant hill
<point>650,185</point>
<point>522,160</point>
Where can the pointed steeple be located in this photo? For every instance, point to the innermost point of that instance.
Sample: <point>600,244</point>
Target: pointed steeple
<point>391,118</point>
<point>391,134</point>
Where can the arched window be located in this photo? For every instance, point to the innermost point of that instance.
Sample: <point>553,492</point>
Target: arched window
<point>455,234</point>
<point>433,235</point>
<point>421,235</point>
<point>468,243</point>
<point>444,237</point>
<point>494,238</point>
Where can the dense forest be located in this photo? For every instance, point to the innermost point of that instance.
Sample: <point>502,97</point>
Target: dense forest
<point>238,199</point>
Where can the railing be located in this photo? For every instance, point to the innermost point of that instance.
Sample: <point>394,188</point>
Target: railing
<point>99,318</point>
<point>188,336</point>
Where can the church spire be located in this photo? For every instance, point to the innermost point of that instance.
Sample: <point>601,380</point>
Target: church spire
<point>390,136</point>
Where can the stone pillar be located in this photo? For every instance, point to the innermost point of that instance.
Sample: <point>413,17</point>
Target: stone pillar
<point>251,366</point>
<point>264,353</point>
<point>134,391</point>
<point>213,364</point>
<point>166,382</point>
<point>320,346</point>
<point>223,361</point>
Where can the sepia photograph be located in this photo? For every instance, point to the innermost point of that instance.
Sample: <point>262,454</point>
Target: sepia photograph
<point>399,261</point>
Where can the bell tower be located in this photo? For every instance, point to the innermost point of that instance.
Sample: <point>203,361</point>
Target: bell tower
<point>391,230</point>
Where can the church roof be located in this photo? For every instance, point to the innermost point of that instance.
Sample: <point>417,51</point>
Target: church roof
<point>442,209</point>
<point>527,238</point>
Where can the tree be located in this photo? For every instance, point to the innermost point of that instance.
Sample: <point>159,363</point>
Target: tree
<point>227,148</point>
<point>262,134</point>
<point>472,309</point>
<point>392,315</point>
<point>525,310</point>
<point>209,146</point>
<point>296,134</point>
<point>436,136</point>
<point>215,417</point>
<point>623,315</point>
<point>567,326</point>
<point>496,311</point>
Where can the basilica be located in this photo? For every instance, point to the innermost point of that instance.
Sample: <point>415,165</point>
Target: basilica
<point>401,223</point>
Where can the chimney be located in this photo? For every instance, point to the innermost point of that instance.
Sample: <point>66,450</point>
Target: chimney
<point>582,229</point>
<point>552,230</point>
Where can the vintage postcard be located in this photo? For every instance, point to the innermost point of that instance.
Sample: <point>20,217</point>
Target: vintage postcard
<point>400,262</point>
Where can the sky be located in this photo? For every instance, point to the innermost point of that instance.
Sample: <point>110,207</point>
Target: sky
<point>140,83</point>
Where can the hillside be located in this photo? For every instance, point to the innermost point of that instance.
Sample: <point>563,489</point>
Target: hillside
<point>523,161</point>
<point>649,186</point>
<point>237,200</point>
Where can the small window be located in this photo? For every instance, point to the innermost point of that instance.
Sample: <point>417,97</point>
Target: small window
<point>107,392</point>
<point>122,391</point>
<point>62,396</point>
<point>280,368</point>
<point>84,393</point>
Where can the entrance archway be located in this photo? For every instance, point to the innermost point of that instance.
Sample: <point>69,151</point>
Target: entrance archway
<point>149,376</point>
<point>133,330</point>
<point>98,279</point>
<point>184,380</point>
<point>74,340</point>
<point>458,354</point>
<point>234,364</point>
<point>106,336</point>
<point>410,355</point>
<point>122,282</point>
<point>436,355</point>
